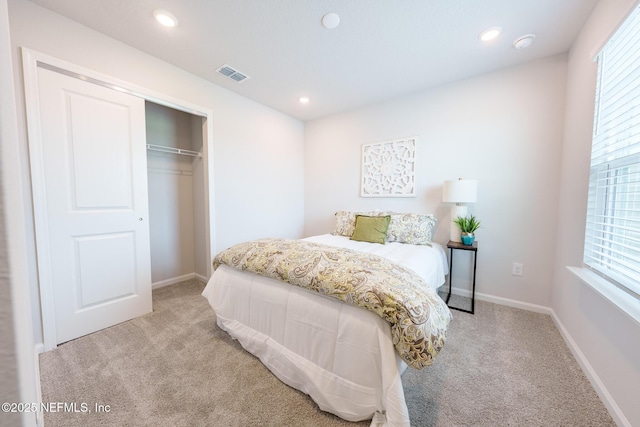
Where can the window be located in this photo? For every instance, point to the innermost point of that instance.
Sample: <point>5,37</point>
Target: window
<point>612,237</point>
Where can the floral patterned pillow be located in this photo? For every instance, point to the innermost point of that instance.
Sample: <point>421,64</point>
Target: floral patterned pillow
<point>415,229</point>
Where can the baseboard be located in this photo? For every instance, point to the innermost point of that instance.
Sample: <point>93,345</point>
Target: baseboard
<point>596,383</point>
<point>38,349</point>
<point>174,280</point>
<point>200,277</point>
<point>503,301</point>
<point>461,292</point>
<point>514,303</point>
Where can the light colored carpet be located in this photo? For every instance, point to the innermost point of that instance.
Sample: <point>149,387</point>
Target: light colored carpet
<point>175,367</point>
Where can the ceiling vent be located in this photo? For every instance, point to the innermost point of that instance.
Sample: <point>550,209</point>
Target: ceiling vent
<point>232,73</point>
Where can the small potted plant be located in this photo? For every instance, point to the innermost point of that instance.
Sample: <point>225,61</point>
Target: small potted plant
<point>467,225</point>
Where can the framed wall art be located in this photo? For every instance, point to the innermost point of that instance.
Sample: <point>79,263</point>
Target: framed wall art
<point>388,169</point>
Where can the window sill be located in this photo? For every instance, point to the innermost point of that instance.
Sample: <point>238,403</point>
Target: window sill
<point>616,296</point>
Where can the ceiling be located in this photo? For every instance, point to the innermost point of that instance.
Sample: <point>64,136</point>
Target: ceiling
<point>381,49</point>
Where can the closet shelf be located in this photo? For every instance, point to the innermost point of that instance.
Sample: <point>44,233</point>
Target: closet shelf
<point>173,150</point>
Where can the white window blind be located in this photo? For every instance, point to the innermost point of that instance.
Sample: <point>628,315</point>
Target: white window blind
<point>612,237</point>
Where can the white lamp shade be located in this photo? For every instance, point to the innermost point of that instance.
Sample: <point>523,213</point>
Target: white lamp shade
<point>460,191</point>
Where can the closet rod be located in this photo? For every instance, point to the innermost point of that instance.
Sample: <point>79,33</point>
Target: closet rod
<point>173,150</point>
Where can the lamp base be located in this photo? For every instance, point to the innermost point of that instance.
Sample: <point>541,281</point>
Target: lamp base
<point>456,211</point>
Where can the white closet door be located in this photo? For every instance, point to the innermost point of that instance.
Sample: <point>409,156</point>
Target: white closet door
<point>93,146</point>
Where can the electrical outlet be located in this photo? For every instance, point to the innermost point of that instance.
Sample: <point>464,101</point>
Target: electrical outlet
<point>516,270</point>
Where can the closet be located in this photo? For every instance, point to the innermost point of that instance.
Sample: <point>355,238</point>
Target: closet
<point>120,196</point>
<point>176,195</point>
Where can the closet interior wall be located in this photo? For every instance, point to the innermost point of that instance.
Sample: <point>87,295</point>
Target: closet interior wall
<point>176,196</point>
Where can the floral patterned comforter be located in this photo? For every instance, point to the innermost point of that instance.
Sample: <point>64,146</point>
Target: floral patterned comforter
<point>417,315</point>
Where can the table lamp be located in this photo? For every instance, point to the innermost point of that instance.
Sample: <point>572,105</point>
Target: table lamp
<point>459,192</point>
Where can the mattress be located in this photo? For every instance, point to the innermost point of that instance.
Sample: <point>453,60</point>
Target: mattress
<point>340,355</point>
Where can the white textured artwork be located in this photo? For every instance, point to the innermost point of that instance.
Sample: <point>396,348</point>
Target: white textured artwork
<point>388,169</point>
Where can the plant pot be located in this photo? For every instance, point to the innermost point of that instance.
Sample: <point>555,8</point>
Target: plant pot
<point>468,239</point>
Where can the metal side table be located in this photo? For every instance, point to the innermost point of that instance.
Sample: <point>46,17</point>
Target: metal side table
<point>460,246</point>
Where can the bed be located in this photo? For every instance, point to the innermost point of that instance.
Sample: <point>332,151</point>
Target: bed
<point>342,356</point>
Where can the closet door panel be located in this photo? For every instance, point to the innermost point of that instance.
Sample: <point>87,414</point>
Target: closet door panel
<point>101,164</point>
<point>106,268</point>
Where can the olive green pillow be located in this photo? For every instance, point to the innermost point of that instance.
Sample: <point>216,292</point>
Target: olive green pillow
<point>371,228</point>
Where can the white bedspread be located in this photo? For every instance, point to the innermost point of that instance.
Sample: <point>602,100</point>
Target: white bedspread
<point>342,356</point>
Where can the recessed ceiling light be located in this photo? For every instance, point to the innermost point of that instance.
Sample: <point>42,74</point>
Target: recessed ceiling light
<point>165,18</point>
<point>490,33</point>
<point>304,99</point>
<point>524,41</point>
<point>331,20</point>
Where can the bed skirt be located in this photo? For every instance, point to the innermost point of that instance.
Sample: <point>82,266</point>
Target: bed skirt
<point>341,356</point>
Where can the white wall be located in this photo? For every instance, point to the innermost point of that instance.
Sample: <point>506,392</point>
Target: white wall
<point>503,129</point>
<point>9,389</point>
<point>608,340</point>
<point>18,365</point>
<point>258,152</point>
